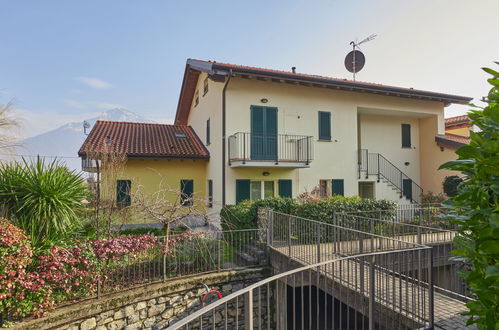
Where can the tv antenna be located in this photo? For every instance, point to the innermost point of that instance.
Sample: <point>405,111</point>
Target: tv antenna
<point>355,60</point>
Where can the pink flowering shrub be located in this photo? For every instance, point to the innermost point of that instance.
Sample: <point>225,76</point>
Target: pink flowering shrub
<point>115,248</point>
<point>21,292</point>
<point>71,272</point>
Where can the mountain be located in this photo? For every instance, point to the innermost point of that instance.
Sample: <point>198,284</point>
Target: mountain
<point>67,139</point>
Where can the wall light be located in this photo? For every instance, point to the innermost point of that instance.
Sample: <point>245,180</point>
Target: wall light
<point>407,163</point>
<point>265,173</point>
<point>264,100</point>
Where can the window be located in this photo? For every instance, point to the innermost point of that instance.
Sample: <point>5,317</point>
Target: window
<point>285,188</point>
<point>196,98</point>
<point>180,135</point>
<point>323,188</point>
<point>123,198</point>
<point>208,137</point>
<point>254,190</point>
<point>338,187</point>
<point>406,135</point>
<point>366,190</point>
<point>210,193</point>
<point>187,191</point>
<point>325,125</point>
<point>205,86</point>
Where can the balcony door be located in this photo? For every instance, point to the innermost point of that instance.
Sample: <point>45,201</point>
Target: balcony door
<point>263,133</point>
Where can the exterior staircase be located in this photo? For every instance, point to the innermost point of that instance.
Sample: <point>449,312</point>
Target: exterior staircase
<point>385,171</point>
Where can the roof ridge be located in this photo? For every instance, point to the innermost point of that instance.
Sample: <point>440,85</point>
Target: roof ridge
<point>138,122</point>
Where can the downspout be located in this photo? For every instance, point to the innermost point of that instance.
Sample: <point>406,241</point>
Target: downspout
<point>223,137</point>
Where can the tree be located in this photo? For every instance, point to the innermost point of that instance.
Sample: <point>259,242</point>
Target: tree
<point>7,123</point>
<point>451,184</point>
<point>43,199</point>
<point>476,210</point>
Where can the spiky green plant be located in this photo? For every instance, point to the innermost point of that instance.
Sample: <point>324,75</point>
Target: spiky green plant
<point>44,199</point>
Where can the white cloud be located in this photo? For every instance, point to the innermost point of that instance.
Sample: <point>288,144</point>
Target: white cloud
<point>94,82</point>
<point>105,105</point>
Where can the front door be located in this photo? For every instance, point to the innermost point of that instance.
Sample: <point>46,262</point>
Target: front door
<point>263,133</point>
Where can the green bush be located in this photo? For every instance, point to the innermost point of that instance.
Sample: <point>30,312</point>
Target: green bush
<point>43,199</point>
<point>475,210</point>
<point>243,215</point>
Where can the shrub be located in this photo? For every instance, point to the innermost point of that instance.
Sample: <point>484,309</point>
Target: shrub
<point>142,231</point>
<point>243,215</point>
<point>21,292</point>
<point>475,210</point>
<point>114,248</point>
<point>451,184</point>
<point>43,199</point>
<point>432,198</point>
<point>71,272</point>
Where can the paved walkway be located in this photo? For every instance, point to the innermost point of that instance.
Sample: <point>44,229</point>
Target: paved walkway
<point>394,291</point>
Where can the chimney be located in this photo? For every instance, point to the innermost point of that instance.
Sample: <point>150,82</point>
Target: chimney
<point>293,69</point>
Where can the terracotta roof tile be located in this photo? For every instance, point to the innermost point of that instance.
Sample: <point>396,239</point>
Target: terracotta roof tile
<point>452,140</point>
<point>464,119</point>
<point>145,140</point>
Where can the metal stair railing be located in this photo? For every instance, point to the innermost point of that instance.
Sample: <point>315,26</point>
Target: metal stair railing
<point>377,164</point>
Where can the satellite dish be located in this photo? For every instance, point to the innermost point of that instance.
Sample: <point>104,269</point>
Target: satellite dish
<point>355,60</point>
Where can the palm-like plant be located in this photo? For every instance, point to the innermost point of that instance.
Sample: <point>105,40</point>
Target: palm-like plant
<point>44,199</point>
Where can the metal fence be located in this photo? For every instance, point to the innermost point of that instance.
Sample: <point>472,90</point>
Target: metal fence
<point>185,254</point>
<point>424,224</point>
<point>365,291</point>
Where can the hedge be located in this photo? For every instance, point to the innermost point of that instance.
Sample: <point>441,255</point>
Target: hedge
<point>243,215</point>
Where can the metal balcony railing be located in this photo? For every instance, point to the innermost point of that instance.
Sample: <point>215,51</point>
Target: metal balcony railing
<point>89,165</point>
<point>277,148</point>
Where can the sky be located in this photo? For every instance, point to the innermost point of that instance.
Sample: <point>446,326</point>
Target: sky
<point>63,61</point>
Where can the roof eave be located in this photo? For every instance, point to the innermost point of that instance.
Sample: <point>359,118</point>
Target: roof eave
<point>350,85</point>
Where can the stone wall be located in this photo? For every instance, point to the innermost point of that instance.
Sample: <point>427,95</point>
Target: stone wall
<point>153,306</point>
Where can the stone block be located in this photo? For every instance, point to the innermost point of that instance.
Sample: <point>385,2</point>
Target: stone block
<point>116,325</point>
<point>134,326</point>
<point>151,302</point>
<point>134,318</point>
<point>143,314</point>
<point>120,314</point>
<point>141,305</point>
<point>129,310</point>
<point>88,324</point>
<point>149,322</point>
<point>168,313</point>
<point>155,310</point>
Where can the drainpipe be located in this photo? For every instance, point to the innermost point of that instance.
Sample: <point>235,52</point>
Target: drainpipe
<point>223,136</point>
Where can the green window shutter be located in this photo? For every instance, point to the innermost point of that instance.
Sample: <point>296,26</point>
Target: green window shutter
<point>123,198</point>
<point>286,188</point>
<point>338,187</point>
<point>242,190</point>
<point>407,188</point>
<point>324,125</point>
<point>208,137</point>
<point>187,189</point>
<point>406,135</point>
<point>210,193</point>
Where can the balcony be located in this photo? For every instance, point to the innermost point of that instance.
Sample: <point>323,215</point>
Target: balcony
<point>270,150</point>
<point>89,165</point>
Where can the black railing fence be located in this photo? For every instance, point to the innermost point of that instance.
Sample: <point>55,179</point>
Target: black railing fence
<point>376,164</point>
<point>245,147</point>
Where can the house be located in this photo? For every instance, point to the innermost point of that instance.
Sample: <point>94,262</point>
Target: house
<point>273,132</point>
<point>457,134</point>
<point>155,157</point>
<point>280,133</point>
